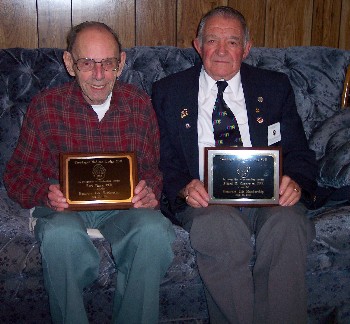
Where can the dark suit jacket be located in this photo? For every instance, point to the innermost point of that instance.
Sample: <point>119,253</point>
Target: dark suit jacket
<point>178,131</point>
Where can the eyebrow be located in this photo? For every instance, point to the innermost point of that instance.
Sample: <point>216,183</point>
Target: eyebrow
<point>216,36</point>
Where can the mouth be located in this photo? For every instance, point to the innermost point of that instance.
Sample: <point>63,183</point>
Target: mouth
<point>221,62</point>
<point>97,87</point>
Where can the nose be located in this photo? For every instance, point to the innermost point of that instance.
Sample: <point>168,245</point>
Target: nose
<point>221,48</point>
<point>98,71</point>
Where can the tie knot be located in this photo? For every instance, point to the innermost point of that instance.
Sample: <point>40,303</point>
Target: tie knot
<point>221,86</point>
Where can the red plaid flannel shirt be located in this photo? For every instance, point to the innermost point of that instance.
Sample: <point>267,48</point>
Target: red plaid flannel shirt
<point>60,120</point>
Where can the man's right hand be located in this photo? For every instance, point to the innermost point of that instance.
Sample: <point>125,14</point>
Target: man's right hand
<point>195,194</point>
<point>55,198</point>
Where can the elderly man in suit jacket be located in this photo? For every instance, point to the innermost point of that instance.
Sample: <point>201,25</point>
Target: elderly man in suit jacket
<point>253,259</point>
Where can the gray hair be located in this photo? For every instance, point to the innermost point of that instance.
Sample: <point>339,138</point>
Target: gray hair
<point>226,12</point>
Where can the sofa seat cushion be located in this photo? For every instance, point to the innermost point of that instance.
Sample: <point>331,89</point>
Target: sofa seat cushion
<point>328,267</point>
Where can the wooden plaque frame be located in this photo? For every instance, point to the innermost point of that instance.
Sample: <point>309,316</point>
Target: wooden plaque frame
<point>98,181</point>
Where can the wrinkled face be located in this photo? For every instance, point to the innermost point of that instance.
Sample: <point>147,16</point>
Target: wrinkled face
<point>222,48</point>
<point>98,44</point>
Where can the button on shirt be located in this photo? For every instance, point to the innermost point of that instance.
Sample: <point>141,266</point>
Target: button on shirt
<point>234,98</point>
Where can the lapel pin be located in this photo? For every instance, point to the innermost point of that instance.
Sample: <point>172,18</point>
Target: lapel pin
<point>184,113</point>
<point>260,99</point>
<point>260,120</point>
<point>187,126</point>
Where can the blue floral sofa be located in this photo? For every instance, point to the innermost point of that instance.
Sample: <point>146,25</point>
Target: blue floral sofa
<point>317,76</point>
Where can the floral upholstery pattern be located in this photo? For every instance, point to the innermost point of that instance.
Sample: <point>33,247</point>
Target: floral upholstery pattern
<point>317,84</point>
<point>331,143</point>
<point>316,74</point>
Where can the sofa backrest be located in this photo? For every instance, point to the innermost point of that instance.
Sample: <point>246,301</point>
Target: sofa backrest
<point>316,73</point>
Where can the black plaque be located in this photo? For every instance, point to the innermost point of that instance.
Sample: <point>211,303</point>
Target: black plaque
<point>98,181</point>
<point>243,176</point>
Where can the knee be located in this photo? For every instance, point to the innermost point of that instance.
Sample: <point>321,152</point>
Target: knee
<point>146,227</point>
<point>288,219</point>
<point>217,219</point>
<point>285,221</point>
<point>152,224</point>
<point>216,227</point>
<point>60,230</point>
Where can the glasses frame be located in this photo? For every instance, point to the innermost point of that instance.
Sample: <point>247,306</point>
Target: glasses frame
<point>75,62</point>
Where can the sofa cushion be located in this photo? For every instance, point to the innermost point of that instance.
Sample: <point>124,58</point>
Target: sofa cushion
<point>331,142</point>
<point>316,83</point>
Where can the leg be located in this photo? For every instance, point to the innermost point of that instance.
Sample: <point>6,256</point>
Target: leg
<point>222,241</point>
<point>279,272</point>
<point>141,246</point>
<point>70,262</point>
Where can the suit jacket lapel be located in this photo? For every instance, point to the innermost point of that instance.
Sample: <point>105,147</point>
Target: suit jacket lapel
<point>255,108</point>
<point>187,120</point>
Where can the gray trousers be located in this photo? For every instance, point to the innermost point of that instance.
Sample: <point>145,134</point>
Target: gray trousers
<point>252,261</point>
<point>141,246</point>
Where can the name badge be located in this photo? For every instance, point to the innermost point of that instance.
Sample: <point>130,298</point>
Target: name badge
<point>273,133</point>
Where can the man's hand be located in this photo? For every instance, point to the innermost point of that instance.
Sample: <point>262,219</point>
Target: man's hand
<point>144,196</point>
<point>290,192</point>
<point>195,194</point>
<point>55,198</point>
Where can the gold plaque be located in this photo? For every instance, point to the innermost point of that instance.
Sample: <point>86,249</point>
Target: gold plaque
<point>243,176</point>
<point>98,181</point>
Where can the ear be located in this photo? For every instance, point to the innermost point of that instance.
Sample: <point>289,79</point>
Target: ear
<point>247,48</point>
<point>121,63</point>
<point>197,45</point>
<point>68,62</point>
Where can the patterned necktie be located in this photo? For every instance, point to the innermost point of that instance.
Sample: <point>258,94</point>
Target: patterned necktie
<point>226,131</point>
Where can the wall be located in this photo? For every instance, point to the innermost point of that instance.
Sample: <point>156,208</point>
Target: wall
<point>273,23</point>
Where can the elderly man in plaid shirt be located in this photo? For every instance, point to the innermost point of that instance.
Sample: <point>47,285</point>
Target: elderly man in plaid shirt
<point>95,113</point>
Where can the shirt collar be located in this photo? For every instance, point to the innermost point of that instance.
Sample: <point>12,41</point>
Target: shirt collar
<point>208,83</point>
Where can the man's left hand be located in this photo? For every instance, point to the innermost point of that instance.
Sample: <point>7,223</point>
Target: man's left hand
<point>290,192</point>
<point>144,196</point>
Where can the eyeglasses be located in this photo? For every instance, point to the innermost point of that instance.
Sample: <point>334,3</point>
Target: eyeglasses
<point>87,64</point>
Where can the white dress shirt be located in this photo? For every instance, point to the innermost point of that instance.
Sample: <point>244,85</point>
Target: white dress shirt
<point>234,98</point>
